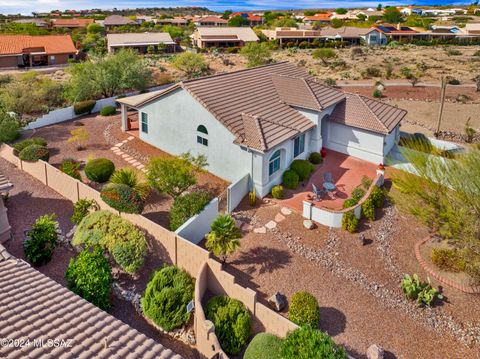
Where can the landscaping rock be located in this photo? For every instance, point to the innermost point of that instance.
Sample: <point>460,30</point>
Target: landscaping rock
<point>271,225</point>
<point>375,352</point>
<point>286,211</point>
<point>308,224</point>
<point>278,301</point>
<point>260,230</point>
<point>279,217</point>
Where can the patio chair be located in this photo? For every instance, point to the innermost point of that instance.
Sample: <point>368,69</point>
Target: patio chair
<point>327,177</point>
<point>318,193</point>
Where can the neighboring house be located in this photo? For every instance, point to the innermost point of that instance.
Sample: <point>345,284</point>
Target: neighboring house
<point>71,23</point>
<point>161,41</point>
<point>28,51</point>
<point>368,13</point>
<point>253,20</point>
<point>472,29</point>
<point>113,21</point>
<point>257,121</point>
<point>350,15</point>
<point>445,29</point>
<point>355,35</point>
<point>321,18</point>
<point>292,34</point>
<point>36,21</point>
<point>210,21</point>
<point>37,308</point>
<point>144,18</point>
<point>177,21</point>
<point>5,229</point>
<point>397,32</point>
<point>204,37</point>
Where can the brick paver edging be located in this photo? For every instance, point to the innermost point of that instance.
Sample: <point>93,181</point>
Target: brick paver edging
<point>463,288</point>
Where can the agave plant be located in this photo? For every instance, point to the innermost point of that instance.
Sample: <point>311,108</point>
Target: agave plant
<point>223,237</point>
<point>132,179</point>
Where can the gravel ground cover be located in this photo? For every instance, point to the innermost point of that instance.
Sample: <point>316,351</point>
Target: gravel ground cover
<point>358,286</point>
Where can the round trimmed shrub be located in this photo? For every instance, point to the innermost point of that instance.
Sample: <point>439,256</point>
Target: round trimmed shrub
<point>307,342</point>
<point>41,240</point>
<point>277,192</point>
<point>108,111</point>
<point>304,309</point>
<point>33,153</point>
<point>84,107</point>
<point>186,206</point>
<point>232,322</point>
<point>303,168</point>
<point>99,170</point>
<point>290,179</point>
<point>368,209</point>
<point>315,158</point>
<point>9,130</point>
<point>350,222</point>
<point>71,167</point>
<point>90,276</point>
<point>122,198</point>
<point>378,197</point>
<point>350,203</point>
<point>264,345</point>
<point>166,297</point>
<point>121,238</point>
<point>19,146</point>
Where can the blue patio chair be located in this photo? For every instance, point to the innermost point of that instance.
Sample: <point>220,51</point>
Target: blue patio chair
<point>327,177</point>
<point>318,193</point>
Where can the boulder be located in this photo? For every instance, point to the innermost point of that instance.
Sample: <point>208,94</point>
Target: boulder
<point>278,301</point>
<point>375,351</point>
<point>308,224</point>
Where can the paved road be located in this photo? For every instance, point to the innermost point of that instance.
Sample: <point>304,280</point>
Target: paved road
<point>396,83</point>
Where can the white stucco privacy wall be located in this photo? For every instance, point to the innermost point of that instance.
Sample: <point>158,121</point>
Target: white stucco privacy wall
<point>236,192</point>
<point>195,229</point>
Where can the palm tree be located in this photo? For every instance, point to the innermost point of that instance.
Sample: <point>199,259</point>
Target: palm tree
<point>223,237</point>
<point>132,179</point>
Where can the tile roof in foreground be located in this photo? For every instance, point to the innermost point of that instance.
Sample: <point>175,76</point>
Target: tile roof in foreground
<point>33,306</point>
<point>366,113</point>
<point>259,105</point>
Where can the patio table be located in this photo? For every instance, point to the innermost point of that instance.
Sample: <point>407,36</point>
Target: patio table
<point>329,187</point>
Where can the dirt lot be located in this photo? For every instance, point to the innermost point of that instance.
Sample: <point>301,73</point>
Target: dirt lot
<point>357,286</point>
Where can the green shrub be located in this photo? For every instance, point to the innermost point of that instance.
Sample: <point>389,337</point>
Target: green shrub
<point>122,239</point>
<point>415,289</point>
<point>263,346</point>
<point>377,93</point>
<point>350,203</point>
<point>232,322</point>
<point>315,158</point>
<point>358,193</point>
<point>304,309</point>
<point>9,130</point>
<point>307,342</point>
<point>368,209</point>
<point>81,208</point>
<point>350,222</point>
<point>108,111</point>
<point>290,179</point>
<point>166,297</point>
<point>186,206</point>
<point>366,182</point>
<point>83,107</point>
<point>448,259</point>
<point>377,196</point>
<point>19,146</point>
<point>122,198</point>
<point>303,168</point>
<point>277,192</point>
<point>132,179</point>
<point>90,276</point>
<point>372,72</point>
<point>99,170</point>
<point>454,82</point>
<point>41,240</point>
<point>34,153</point>
<point>71,167</point>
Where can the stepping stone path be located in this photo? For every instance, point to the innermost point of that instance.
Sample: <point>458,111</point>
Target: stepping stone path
<point>279,217</point>
<point>131,160</point>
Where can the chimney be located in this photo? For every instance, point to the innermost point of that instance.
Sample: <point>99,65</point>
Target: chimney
<point>399,27</point>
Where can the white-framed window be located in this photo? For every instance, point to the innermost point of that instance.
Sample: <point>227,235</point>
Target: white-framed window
<point>144,122</point>
<point>299,145</point>
<point>274,163</point>
<point>202,135</point>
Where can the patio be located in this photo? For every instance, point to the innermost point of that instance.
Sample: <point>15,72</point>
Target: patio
<point>347,173</point>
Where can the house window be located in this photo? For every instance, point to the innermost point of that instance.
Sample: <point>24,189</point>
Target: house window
<point>373,39</point>
<point>144,122</point>
<point>202,135</point>
<point>274,163</point>
<point>299,145</point>
<point>53,60</point>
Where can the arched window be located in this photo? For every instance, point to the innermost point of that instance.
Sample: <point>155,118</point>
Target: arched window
<point>274,163</point>
<point>202,135</point>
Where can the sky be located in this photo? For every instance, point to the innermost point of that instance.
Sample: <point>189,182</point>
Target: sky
<point>27,6</point>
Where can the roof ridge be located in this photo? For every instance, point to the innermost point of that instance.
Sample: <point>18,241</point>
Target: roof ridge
<point>312,93</point>
<point>258,125</point>
<point>363,98</point>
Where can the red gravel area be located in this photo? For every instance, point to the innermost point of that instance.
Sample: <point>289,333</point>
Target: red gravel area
<point>353,316</point>
<point>30,199</point>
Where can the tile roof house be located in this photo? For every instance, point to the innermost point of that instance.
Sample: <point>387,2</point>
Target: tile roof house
<point>397,32</point>
<point>72,23</point>
<point>25,50</point>
<point>141,41</point>
<point>472,29</point>
<point>210,21</point>
<point>253,20</point>
<point>355,35</point>
<point>292,34</point>
<point>223,36</point>
<point>35,307</point>
<point>257,121</point>
<point>113,21</point>
<point>322,18</point>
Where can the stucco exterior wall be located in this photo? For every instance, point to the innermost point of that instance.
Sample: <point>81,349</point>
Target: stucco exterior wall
<point>195,229</point>
<point>9,61</point>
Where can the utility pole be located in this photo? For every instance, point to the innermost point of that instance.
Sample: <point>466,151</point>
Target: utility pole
<point>442,103</point>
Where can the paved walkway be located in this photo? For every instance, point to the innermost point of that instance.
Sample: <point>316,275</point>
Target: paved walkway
<point>279,217</point>
<point>117,149</point>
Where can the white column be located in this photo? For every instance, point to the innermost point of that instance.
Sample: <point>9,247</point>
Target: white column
<point>124,112</point>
